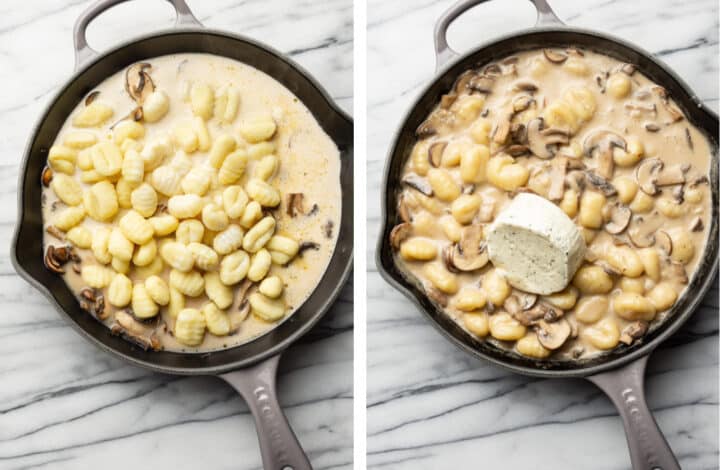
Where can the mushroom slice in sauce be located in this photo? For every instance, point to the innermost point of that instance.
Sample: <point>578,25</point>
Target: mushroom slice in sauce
<point>601,183</point>
<point>295,204</point>
<point>435,153</point>
<point>138,83</point>
<point>543,142</point>
<point>646,175</point>
<point>642,231</point>
<point>558,167</point>
<point>57,256</point>
<point>399,233</point>
<point>403,209</point>
<point>664,242</point>
<point>603,141</point>
<point>469,254</point>
<point>134,331</point>
<point>418,183</point>
<point>553,335</point>
<point>633,331</point>
<point>555,56</point>
<point>619,219</point>
<point>696,225</point>
<point>47,176</point>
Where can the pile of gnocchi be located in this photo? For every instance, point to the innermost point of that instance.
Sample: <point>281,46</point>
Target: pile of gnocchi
<point>178,221</point>
<point>602,142</point>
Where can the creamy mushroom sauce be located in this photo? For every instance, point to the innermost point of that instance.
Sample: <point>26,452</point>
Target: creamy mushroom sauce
<point>309,164</point>
<point>488,113</point>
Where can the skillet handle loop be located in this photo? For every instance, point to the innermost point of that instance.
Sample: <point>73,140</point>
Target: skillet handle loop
<point>83,52</point>
<point>444,53</point>
<point>279,447</point>
<point>625,387</point>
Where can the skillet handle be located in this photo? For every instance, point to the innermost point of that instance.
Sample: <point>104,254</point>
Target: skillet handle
<point>626,388</point>
<point>443,52</point>
<point>83,52</point>
<point>279,447</point>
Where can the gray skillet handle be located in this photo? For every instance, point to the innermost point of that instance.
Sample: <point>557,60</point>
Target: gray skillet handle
<point>443,52</point>
<point>83,52</point>
<point>279,447</point>
<point>625,386</point>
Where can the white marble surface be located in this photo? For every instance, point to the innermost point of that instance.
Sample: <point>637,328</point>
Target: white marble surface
<point>432,406</point>
<point>66,405</point>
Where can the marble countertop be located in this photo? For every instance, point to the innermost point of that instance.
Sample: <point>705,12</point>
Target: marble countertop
<point>431,406</point>
<point>66,405</point>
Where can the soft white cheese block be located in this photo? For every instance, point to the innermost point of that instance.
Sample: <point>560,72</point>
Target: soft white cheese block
<point>535,245</point>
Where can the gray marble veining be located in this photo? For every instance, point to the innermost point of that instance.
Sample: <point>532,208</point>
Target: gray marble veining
<point>431,406</point>
<point>66,405</point>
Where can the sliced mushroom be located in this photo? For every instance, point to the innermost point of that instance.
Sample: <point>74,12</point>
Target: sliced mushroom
<point>93,302</point>
<point>575,180</point>
<point>628,69</point>
<point>678,194</point>
<point>537,312</point>
<point>619,219</point>
<point>527,299</point>
<point>435,153</point>
<point>651,127</point>
<point>522,102</point>
<point>399,233</point>
<point>669,176</point>
<point>677,272</point>
<point>91,97</point>
<point>446,101</point>
<point>481,84</point>
<point>328,228</point>
<point>553,335</point>
<point>438,297</point>
<point>47,176</point>
<point>518,133</point>
<point>57,256</point>
<point>558,168</point>
<point>501,131</point>
<point>492,70</point>
<point>525,85</point>
<point>305,246</point>
<point>544,142</point>
<point>664,242</point>
<point>603,141</point>
<point>134,331</point>
<point>55,232</point>
<point>696,225</point>
<point>600,183</point>
<point>646,175</point>
<point>675,114</point>
<point>519,302</point>
<point>642,231</point>
<point>403,210</point>
<point>555,56</point>
<point>469,254</point>
<point>295,204</point>
<point>641,108</point>
<point>517,150</point>
<point>138,83</point>
<point>418,183</point>
<point>425,129</point>
<point>688,139</point>
<point>633,331</point>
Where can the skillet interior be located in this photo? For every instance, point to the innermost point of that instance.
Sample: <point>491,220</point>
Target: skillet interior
<point>27,252</point>
<point>405,138</point>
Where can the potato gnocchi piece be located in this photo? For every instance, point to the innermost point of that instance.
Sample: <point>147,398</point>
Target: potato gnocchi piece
<point>190,327</point>
<point>156,151</point>
<point>251,214</point>
<point>145,253</point>
<point>266,167</point>
<point>189,231</point>
<point>228,240</point>
<point>233,167</point>
<point>259,150</point>
<point>258,129</point>
<point>164,224</point>
<point>234,267</point>
<point>80,140</point>
<point>96,276</point>
<point>196,181</point>
<point>67,189</point>
<point>204,257</point>
<point>155,267</point>
<point>79,236</point>
<point>177,255</point>
<point>120,291</point>
<point>144,200</point>
<point>84,159</point>
<point>166,180</point>
<point>215,218</point>
<point>93,115</point>
<point>158,290</point>
<point>185,137</point>
<point>202,133</point>
<point>263,193</point>
<point>156,106</point>
<point>271,287</point>
<point>124,189</point>
<point>69,218</point>
<point>136,228</point>
<point>100,245</point>
<point>101,202</point>
<point>185,206</point>
<point>62,159</point>
<point>120,265</point>
<point>234,201</point>
<point>189,283</point>
<point>176,303</point>
<point>259,265</point>
<point>202,99</point>
<point>142,304</point>
<point>282,249</point>
<point>217,321</point>
<point>217,291</point>
<point>106,158</point>
<point>133,167</point>
<point>119,246</point>
<point>259,235</point>
<point>127,129</point>
<point>270,310</point>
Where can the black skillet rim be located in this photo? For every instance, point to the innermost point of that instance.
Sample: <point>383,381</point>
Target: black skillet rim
<point>338,125</point>
<point>429,96</point>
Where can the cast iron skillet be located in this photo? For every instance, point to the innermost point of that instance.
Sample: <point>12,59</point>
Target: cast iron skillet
<point>620,373</point>
<point>249,368</point>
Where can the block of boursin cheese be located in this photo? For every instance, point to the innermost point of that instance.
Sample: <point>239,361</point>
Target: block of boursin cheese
<point>535,244</point>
